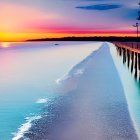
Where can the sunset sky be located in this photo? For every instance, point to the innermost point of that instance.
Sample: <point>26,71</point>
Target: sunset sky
<point>29,19</point>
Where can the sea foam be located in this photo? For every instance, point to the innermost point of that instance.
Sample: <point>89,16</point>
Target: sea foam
<point>42,100</point>
<point>63,78</point>
<point>69,75</point>
<point>25,127</point>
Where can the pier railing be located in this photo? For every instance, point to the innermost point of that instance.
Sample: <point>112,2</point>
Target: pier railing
<point>130,53</point>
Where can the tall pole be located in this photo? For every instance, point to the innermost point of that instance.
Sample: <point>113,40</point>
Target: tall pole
<point>138,27</point>
<point>137,32</point>
<point>137,24</point>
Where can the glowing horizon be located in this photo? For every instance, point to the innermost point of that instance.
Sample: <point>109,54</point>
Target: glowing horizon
<point>11,37</point>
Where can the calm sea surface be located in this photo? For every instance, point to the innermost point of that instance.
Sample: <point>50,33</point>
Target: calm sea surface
<point>28,74</point>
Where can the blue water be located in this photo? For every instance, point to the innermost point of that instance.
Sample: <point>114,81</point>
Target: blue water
<point>28,72</point>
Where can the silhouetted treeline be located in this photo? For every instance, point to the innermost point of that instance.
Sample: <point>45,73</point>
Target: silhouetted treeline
<point>111,38</point>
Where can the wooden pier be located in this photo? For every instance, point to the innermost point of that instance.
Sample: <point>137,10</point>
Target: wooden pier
<point>130,53</point>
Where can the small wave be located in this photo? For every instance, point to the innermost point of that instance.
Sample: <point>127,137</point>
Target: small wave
<point>77,72</point>
<point>25,127</point>
<point>42,100</point>
<point>63,78</point>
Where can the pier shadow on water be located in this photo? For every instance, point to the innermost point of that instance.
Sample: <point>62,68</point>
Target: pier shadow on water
<point>130,57</point>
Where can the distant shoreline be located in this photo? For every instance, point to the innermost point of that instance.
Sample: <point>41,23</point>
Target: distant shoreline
<point>112,39</point>
<point>98,38</point>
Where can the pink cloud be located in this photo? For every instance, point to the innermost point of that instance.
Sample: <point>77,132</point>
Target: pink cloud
<point>20,18</point>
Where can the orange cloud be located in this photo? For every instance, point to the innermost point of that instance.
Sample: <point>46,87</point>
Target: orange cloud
<point>18,18</point>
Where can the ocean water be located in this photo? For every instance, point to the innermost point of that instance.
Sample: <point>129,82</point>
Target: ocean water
<point>91,104</point>
<point>28,75</point>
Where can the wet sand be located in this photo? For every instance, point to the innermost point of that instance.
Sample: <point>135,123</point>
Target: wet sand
<point>91,105</point>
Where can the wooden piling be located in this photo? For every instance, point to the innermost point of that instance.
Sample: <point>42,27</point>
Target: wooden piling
<point>131,56</point>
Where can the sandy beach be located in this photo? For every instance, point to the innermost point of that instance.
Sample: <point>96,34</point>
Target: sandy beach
<point>91,104</point>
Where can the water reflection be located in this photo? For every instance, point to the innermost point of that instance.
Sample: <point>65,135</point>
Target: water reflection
<point>130,57</point>
<point>5,44</point>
